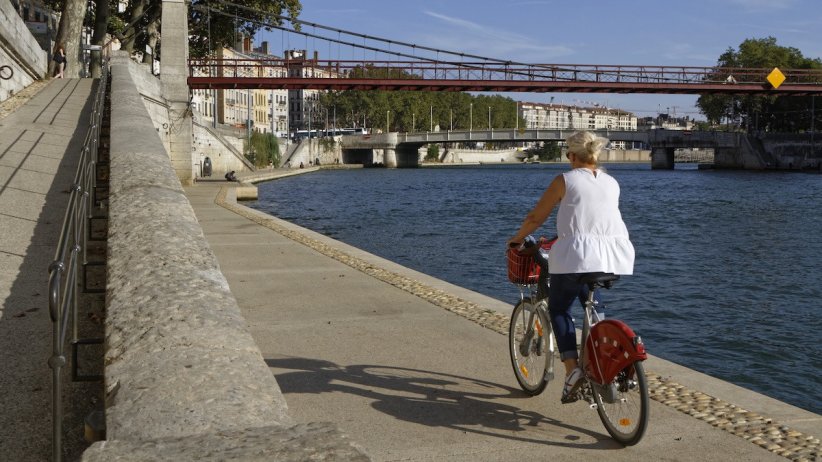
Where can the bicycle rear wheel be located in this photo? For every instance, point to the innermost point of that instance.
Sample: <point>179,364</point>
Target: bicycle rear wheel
<point>623,405</point>
<point>531,345</point>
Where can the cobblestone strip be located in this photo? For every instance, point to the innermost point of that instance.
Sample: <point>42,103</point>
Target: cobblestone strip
<point>760,430</point>
<point>21,97</point>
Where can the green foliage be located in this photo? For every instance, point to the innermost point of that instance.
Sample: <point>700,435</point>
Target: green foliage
<point>408,111</point>
<point>547,151</point>
<point>780,113</point>
<point>224,27</point>
<point>263,149</point>
<point>433,153</point>
<point>116,25</point>
<point>327,144</point>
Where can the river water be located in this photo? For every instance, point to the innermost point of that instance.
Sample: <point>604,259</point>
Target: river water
<point>728,263</point>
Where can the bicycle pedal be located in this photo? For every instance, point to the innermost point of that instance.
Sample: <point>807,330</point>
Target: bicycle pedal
<point>572,397</point>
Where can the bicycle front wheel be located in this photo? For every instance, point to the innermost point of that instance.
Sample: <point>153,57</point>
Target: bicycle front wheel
<point>531,344</point>
<point>623,404</point>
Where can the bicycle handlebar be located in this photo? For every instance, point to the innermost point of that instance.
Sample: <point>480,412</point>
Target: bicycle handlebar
<point>531,246</point>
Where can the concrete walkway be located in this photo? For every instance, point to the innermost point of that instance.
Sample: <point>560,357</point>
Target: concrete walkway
<point>39,150</point>
<point>367,344</point>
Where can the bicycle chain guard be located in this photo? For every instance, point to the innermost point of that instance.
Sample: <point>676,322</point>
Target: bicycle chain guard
<point>611,347</point>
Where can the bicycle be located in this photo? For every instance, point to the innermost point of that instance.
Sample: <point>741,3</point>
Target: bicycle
<point>611,354</point>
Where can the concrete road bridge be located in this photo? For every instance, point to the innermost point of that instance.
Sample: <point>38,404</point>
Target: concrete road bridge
<point>401,149</point>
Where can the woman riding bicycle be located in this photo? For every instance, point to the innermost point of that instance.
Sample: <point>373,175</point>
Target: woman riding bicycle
<point>591,238</point>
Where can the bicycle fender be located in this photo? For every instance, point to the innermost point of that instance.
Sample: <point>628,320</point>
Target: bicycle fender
<point>611,347</point>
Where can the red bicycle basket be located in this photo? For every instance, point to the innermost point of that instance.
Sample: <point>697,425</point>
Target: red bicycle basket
<point>522,269</point>
<point>616,346</point>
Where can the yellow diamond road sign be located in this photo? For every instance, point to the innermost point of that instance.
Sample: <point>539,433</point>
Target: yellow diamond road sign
<point>776,77</point>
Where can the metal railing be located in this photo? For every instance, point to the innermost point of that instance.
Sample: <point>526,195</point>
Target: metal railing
<point>70,257</point>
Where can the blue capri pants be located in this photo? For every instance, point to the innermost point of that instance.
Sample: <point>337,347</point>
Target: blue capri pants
<point>564,289</point>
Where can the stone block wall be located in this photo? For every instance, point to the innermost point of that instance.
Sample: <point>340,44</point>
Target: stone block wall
<point>151,90</point>
<point>180,362</point>
<point>20,50</point>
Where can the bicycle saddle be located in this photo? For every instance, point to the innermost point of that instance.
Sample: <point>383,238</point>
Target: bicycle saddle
<point>605,280</point>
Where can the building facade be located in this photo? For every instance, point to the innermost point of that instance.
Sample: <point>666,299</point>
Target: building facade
<point>41,21</point>
<point>304,111</point>
<point>563,117</point>
<point>265,111</point>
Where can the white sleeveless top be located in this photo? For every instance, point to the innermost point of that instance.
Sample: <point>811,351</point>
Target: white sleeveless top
<point>592,235</point>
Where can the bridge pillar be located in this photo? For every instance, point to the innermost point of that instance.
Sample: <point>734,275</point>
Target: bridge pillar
<point>408,156</point>
<point>389,158</point>
<point>662,158</point>
<point>173,75</point>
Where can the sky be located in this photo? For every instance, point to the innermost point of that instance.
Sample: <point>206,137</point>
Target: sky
<point>625,32</point>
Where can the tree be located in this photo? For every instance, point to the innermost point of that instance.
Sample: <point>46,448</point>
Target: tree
<point>222,28</point>
<point>416,110</point>
<point>783,113</point>
<point>547,151</point>
<point>264,149</point>
<point>432,154</point>
<point>102,14</point>
<point>72,14</point>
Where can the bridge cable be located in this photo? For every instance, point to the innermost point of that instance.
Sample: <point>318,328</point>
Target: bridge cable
<point>397,53</point>
<point>462,55</point>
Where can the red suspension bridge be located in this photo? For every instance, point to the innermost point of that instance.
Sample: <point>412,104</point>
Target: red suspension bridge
<point>493,77</point>
<point>419,68</point>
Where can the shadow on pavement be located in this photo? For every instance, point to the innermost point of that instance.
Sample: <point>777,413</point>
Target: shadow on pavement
<point>429,398</point>
<point>25,325</point>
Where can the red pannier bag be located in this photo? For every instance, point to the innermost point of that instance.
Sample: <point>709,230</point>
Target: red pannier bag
<point>616,346</point>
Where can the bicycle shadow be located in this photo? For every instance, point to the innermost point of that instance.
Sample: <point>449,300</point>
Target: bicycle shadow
<point>432,399</point>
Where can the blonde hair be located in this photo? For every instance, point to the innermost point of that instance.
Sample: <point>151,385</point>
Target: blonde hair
<point>586,146</point>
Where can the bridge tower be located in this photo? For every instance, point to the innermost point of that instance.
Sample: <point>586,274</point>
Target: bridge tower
<point>174,75</point>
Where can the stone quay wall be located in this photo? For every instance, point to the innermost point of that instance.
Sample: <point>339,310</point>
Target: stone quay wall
<point>19,50</point>
<point>182,372</point>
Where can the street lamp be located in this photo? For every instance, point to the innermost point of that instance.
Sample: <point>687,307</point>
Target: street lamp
<point>413,122</point>
<point>489,117</point>
<point>431,117</point>
<point>386,120</point>
<point>470,116</point>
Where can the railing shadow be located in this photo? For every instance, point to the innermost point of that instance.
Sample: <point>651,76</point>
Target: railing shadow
<point>432,399</point>
<point>25,327</point>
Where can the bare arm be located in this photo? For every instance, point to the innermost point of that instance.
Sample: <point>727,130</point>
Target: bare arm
<point>536,217</point>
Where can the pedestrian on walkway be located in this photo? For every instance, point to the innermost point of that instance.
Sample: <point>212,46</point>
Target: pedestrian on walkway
<point>591,238</point>
<point>60,62</point>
